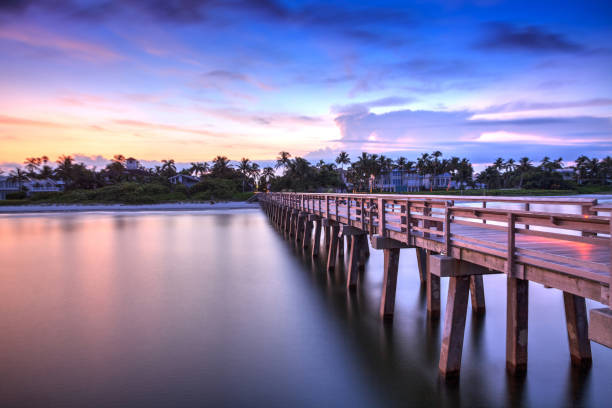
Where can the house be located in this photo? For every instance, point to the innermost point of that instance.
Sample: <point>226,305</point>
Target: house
<point>132,164</point>
<point>401,181</point>
<point>568,173</point>
<point>31,186</point>
<point>184,179</point>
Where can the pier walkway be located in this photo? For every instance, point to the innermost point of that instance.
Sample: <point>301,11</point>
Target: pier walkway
<point>562,243</point>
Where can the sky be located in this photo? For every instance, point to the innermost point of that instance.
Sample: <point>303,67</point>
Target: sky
<point>192,79</point>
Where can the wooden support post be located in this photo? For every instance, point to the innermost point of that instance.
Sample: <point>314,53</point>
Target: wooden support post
<point>327,237</point>
<point>454,326</point>
<point>341,246</point>
<point>366,248</point>
<point>422,255</point>
<point>433,294</point>
<point>306,241</point>
<point>516,325</point>
<point>477,294</point>
<point>317,238</point>
<point>387,300</point>
<point>577,329</point>
<point>299,227</point>
<point>291,223</point>
<point>333,246</point>
<point>353,273</point>
<point>364,252</point>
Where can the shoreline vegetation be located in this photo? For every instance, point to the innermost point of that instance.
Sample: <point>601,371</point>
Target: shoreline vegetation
<point>126,181</point>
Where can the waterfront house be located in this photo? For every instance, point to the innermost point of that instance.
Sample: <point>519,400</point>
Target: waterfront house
<point>401,181</point>
<point>31,186</point>
<point>184,179</point>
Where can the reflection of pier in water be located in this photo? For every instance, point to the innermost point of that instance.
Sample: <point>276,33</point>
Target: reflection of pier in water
<point>570,252</point>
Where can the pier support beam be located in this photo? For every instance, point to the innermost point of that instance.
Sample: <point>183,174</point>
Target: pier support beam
<point>454,326</point>
<point>422,255</point>
<point>516,325</point>
<point>387,301</point>
<point>299,226</point>
<point>391,249</point>
<point>317,234</point>
<point>577,329</point>
<point>433,294</point>
<point>477,294</point>
<point>356,237</point>
<point>333,247</point>
<point>307,238</point>
<point>327,234</point>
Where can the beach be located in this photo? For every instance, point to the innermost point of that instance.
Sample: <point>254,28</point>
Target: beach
<point>45,208</point>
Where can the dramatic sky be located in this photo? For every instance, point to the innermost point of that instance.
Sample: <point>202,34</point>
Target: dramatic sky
<point>190,79</point>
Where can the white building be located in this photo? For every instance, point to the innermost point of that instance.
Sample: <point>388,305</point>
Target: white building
<point>30,186</point>
<point>132,164</point>
<point>401,181</point>
<point>184,179</point>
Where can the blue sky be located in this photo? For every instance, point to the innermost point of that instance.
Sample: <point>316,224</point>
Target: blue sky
<point>192,79</point>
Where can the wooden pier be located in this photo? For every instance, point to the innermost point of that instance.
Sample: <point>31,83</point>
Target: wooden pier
<point>465,238</point>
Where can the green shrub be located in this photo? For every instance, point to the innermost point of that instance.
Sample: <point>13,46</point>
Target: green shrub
<point>180,188</point>
<point>242,196</point>
<point>13,202</point>
<point>45,195</point>
<point>17,195</point>
<point>219,189</point>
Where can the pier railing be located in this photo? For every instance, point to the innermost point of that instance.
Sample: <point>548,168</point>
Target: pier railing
<point>577,244</point>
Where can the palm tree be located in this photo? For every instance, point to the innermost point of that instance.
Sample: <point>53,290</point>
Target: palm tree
<point>64,168</point>
<point>342,159</point>
<point>282,160</point>
<point>499,164</point>
<point>581,168</point>
<point>463,173</point>
<point>168,168</point>
<point>243,168</point>
<point>19,176</point>
<point>198,168</point>
<point>32,165</point>
<point>221,166</point>
<point>268,173</point>
<point>523,166</point>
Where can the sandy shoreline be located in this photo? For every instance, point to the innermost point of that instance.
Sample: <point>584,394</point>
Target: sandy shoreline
<point>43,208</point>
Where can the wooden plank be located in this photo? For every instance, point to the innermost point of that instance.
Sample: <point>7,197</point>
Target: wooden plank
<point>600,328</point>
<point>454,326</point>
<point>387,300</point>
<point>517,325</point>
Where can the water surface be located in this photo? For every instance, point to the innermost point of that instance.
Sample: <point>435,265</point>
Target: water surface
<point>217,309</point>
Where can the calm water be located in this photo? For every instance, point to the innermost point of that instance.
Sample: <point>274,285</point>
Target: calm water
<point>217,309</point>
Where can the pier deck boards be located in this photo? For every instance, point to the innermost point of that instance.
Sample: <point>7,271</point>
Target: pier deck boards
<point>469,238</point>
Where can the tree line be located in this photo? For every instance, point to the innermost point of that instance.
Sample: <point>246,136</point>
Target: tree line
<point>525,174</point>
<point>298,174</point>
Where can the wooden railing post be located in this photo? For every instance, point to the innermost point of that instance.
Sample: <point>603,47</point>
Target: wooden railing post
<point>447,227</point>
<point>511,245</point>
<point>408,220</point>
<point>381,217</point>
